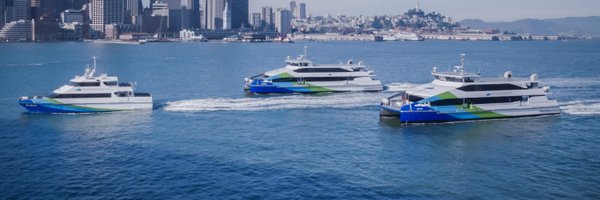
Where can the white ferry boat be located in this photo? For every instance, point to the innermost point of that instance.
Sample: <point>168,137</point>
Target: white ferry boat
<point>458,95</point>
<point>89,93</point>
<point>301,75</point>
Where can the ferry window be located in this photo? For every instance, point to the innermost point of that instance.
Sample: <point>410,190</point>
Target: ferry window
<point>447,102</point>
<point>123,93</point>
<point>284,80</point>
<point>328,78</point>
<point>110,83</point>
<point>532,85</point>
<point>85,84</point>
<point>454,79</point>
<point>495,99</point>
<point>141,94</point>
<point>414,98</point>
<point>98,95</point>
<point>309,70</point>
<point>490,87</point>
<point>469,79</point>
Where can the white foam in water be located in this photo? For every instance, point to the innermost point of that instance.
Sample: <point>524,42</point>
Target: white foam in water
<point>396,87</point>
<point>590,107</point>
<point>571,82</point>
<point>333,100</point>
<point>344,100</point>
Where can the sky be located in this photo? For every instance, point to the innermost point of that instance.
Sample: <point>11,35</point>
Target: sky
<point>487,10</point>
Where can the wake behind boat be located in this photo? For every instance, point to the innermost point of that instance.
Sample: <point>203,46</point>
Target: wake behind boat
<point>301,75</point>
<point>89,93</point>
<point>458,95</point>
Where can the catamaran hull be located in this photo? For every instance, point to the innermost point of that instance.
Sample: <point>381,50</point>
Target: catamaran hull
<point>53,106</point>
<point>434,116</point>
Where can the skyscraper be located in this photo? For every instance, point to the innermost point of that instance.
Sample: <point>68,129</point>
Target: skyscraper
<point>256,21</point>
<point>18,10</point>
<point>302,11</point>
<point>106,12</point>
<point>239,13</point>
<point>267,18</point>
<point>44,8</point>
<point>283,21</point>
<point>2,13</point>
<point>293,7</point>
<point>213,14</point>
<point>226,17</point>
<point>195,14</point>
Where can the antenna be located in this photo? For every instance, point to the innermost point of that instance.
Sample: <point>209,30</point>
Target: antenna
<point>93,69</point>
<point>305,51</point>
<point>462,62</point>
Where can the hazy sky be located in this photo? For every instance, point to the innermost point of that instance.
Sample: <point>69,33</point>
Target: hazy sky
<point>488,10</point>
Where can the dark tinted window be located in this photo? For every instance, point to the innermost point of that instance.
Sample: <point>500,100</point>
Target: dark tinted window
<point>490,87</point>
<point>140,94</point>
<point>309,70</point>
<point>328,78</point>
<point>313,79</point>
<point>284,80</point>
<point>414,98</point>
<point>64,96</point>
<point>110,83</point>
<point>85,84</point>
<point>484,100</point>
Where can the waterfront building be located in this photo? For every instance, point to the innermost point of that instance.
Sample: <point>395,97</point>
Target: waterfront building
<point>71,16</point>
<point>283,21</point>
<point>213,14</point>
<point>44,8</point>
<point>44,22</point>
<point>239,13</point>
<point>16,31</point>
<point>133,8</point>
<point>105,12</point>
<point>255,21</point>
<point>267,19</point>
<point>2,13</point>
<point>17,10</point>
<point>160,8</point>
<point>195,14</point>
<point>226,17</point>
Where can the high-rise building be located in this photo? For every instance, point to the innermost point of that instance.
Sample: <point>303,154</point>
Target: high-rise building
<point>213,14</point>
<point>105,12</point>
<point>73,4</point>
<point>45,14</point>
<point>302,11</point>
<point>18,10</point>
<point>293,7</point>
<point>2,13</point>
<point>267,19</point>
<point>239,13</point>
<point>45,9</point>
<point>256,21</point>
<point>226,17</point>
<point>133,7</point>
<point>160,9</point>
<point>283,21</point>
<point>195,14</point>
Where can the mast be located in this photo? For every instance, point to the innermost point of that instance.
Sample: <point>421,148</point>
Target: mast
<point>305,52</point>
<point>462,63</point>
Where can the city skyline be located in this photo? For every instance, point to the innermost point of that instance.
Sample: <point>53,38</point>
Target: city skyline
<point>508,10</point>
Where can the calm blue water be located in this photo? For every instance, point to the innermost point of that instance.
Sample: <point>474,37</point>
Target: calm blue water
<point>207,139</point>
